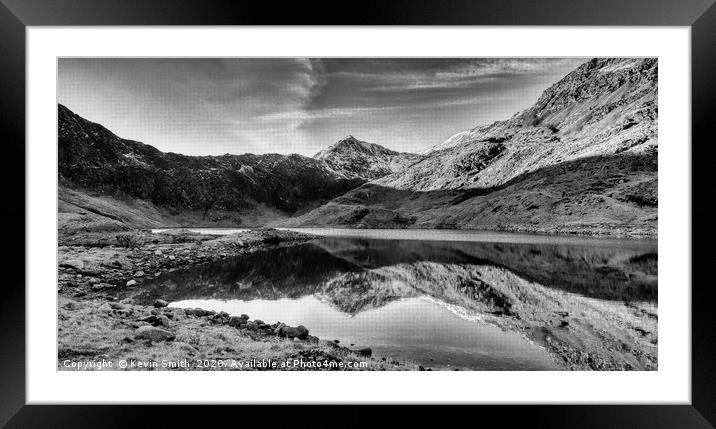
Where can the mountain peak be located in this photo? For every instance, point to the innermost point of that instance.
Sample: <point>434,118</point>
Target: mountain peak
<point>349,145</point>
<point>355,158</point>
<point>350,141</point>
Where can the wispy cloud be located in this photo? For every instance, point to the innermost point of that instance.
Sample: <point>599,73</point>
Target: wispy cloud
<point>463,74</point>
<point>237,105</point>
<point>329,113</point>
<point>312,78</point>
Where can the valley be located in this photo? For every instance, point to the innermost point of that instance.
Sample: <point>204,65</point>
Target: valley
<point>470,254</point>
<point>582,160</point>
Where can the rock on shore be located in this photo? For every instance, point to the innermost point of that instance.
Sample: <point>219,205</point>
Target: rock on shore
<point>153,333</point>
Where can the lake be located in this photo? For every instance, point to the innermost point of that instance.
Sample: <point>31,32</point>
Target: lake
<point>422,296</point>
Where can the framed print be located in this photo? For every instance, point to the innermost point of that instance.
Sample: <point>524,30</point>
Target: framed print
<point>433,208</point>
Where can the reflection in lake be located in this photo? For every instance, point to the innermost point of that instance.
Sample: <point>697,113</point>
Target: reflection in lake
<point>416,328</point>
<point>414,299</point>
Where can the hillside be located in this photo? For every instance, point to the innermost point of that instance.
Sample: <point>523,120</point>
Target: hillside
<point>601,195</point>
<point>357,159</point>
<point>582,159</point>
<point>97,168</point>
<point>604,107</point>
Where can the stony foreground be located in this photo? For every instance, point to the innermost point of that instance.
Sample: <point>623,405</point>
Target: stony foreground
<point>100,327</point>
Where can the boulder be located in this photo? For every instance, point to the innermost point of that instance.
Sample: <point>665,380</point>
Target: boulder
<point>76,264</point>
<point>153,333</point>
<point>158,252</point>
<point>300,332</point>
<point>220,318</point>
<point>162,321</point>
<point>153,319</point>
<point>118,262</point>
<point>131,283</point>
<point>198,312</point>
<point>366,351</point>
<point>236,321</point>
<point>102,286</point>
<point>139,273</point>
<point>277,331</point>
<point>159,303</point>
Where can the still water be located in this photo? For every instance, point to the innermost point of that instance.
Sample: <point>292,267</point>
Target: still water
<point>398,291</point>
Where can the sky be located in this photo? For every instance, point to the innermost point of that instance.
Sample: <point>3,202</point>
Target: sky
<point>213,106</point>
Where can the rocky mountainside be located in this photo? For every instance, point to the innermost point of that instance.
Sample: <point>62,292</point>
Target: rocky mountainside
<point>357,159</point>
<point>583,159</point>
<point>177,189</point>
<point>604,107</point>
<point>615,195</point>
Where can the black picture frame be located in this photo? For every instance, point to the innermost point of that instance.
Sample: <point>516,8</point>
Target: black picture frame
<point>16,15</point>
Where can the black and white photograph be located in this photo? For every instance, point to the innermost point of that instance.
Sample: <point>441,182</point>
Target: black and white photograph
<point>357,214</point>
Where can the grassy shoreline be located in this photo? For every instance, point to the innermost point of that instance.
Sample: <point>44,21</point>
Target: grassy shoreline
<point>96,325</point>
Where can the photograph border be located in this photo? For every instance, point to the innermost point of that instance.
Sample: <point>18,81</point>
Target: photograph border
<point>16,15</point>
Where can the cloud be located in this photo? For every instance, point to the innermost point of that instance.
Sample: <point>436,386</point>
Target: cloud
<point>373,87</point>
<point>238,105</point>
<point>307,115</point>
<point>463,74</point>
<point>312,79</point>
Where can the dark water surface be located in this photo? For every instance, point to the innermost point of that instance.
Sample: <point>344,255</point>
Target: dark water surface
<point>395,295</point>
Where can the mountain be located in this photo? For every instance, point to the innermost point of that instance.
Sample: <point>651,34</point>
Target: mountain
<point>111,177</point>
<point>357,159</point>
<point>604,107</point>
<point>583,159</point>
